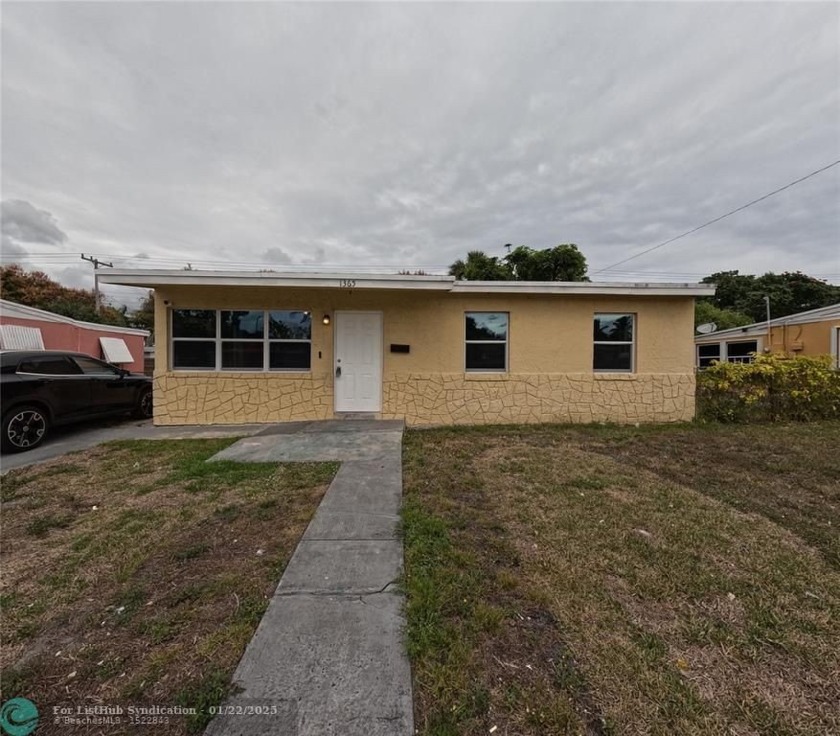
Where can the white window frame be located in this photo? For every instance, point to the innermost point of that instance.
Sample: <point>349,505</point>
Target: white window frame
<point>705,345</point>
<point>631,343</point>
<point>218,340</point>
<point>223,340</point>
<point>505,342</point>
<point>835,345</point>
<point>724,351</point>
<point>173,339</point>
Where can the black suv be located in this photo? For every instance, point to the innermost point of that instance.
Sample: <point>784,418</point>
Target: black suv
<point>45,388</point>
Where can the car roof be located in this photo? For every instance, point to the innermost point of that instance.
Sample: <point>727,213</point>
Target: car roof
<point>12,356</point>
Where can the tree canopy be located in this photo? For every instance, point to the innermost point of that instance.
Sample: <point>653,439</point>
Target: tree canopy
<point>36,289</point>
<point>144,316</point>
<point>561,263</point>
<point>706,312</point>
<point>789,292</point>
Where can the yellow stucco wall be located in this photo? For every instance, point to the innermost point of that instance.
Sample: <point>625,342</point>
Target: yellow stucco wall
<point>810,338</point>
<point>550,374</point>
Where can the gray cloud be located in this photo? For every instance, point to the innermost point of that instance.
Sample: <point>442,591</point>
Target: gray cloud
<point>23,222</point>
<point>11,249</point>
<point>404,135</point>
<point>276,255</point>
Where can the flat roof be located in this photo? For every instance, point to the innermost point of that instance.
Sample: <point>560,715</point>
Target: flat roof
<point>831,313</point>
<point>169,277</point>
<point>22,311</point>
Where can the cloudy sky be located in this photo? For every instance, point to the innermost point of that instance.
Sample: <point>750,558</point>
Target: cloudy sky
<point>404,135</point>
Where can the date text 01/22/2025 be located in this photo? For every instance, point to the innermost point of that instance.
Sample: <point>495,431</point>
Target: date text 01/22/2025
<point>243,710</point>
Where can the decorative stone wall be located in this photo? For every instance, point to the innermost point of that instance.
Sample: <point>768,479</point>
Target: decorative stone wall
<point>240,398</point>
<point>472,399</point>
<point>430,398</point>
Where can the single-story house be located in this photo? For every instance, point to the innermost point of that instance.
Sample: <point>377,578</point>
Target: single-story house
<point>815,332</point>
<point>28,328</point>
<point>237,347</point>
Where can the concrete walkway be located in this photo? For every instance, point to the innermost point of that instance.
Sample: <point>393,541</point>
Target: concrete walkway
<point>328,655</point>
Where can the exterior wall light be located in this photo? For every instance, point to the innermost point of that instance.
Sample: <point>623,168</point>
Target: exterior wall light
<point>326,319</point>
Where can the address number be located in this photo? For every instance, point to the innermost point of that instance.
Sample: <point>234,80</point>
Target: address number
<point>347,283</point>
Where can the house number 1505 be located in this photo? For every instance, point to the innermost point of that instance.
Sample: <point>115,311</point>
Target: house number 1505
<point>347,283</point>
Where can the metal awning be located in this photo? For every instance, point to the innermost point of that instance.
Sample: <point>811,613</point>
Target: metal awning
<point>115,350</point>
<point>18,337</point>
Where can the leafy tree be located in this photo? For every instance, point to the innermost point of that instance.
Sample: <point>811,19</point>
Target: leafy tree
<point>36,289</point>
<point>705,312</point>
<point>561,263</point>
<point>789,292</point>
<point>144,316</point>
<point>480,267</point>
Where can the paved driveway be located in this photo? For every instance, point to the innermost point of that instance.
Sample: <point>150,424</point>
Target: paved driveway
<point>83,436</point>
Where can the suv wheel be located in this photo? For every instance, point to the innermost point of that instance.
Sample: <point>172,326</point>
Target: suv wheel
<point>145,405</point>
<point>24,428</point>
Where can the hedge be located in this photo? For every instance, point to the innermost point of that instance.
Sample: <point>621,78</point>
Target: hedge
<point>771,389</point>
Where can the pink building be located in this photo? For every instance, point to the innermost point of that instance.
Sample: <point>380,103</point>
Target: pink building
<point>23,327</point>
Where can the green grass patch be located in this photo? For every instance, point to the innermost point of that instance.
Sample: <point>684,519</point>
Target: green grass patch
<point>145,547</point>
<point>42,525</point>
<point>605,579</point>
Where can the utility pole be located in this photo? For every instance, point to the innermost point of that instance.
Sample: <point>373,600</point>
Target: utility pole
<point>96,264</point>
<point>769,328</point>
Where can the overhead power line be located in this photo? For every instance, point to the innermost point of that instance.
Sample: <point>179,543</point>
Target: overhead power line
<point>718,219</point>
<point>96,264</point>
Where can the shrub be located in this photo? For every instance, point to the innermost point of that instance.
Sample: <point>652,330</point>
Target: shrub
<point>773,388</point>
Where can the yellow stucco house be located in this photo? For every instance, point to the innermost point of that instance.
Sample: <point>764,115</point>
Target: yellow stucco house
<point>815,332</point>
<point>237,347</point>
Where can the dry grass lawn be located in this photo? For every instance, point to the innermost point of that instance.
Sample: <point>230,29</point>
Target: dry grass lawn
<point>605,580</point>
<point>136,573</point>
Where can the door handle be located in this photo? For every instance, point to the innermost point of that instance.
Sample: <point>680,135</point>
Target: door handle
<point>338,371</point>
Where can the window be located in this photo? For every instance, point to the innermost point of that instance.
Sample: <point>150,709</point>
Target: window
<point>53,365</point>
<point>741,352</point>
<point>706,354</point>
<point>289,340</point>
<point>193,339</point>
<point>93,367</point>
<point>613,343</point>
<point>486,341</point>
<point>241,340</point>
<point>726,352</point>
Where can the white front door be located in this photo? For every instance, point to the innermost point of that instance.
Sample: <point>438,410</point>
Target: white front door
<point>358,361</point>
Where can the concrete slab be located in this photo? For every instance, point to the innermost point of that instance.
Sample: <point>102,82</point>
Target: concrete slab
<point>335,425</point>
<point>357,425</point>
<point>314,446</point>
<point>366,487</point>
<point>333,666</point>
<point>354,567</point>
<point>329,654</point>
<point>64,440</point>
<point>352,525</point>
<point>284,428</point>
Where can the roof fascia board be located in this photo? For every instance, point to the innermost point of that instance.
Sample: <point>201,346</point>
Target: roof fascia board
<point>22,311</point>
<point>582,287</point>
<point>151,279</point>
<point>159,278</point>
